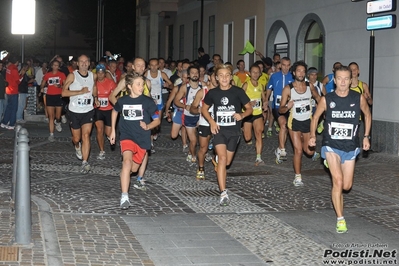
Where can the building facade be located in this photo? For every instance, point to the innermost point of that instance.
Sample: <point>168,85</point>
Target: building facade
<point>319,32</point>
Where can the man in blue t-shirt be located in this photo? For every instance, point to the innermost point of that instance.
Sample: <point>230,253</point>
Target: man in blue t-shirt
<point>276,84</point>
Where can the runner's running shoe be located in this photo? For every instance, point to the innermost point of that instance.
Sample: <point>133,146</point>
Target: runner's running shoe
<point>224,198</point>
<point>341,226</point>
<point>200,175</point>
<point>140,184</point>
<point>125,203</point>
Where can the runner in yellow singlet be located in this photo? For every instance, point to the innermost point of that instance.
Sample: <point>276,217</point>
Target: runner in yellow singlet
<point>256,92</point>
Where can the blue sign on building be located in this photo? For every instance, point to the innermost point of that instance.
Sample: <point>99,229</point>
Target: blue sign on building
<point>381,22</point>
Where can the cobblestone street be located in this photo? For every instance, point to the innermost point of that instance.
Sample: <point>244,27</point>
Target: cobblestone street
<point>76,218</point>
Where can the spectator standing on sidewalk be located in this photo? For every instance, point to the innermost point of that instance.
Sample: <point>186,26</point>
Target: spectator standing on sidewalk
<point>23,89</point>
<point>41,99</point>
<point>13,78</point>
<point>203,58</point>
<point>3,85</point>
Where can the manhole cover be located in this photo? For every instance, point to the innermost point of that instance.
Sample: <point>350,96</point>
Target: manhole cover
<point>199,193</point>
<point>9,253</point>
<point>247,173</point>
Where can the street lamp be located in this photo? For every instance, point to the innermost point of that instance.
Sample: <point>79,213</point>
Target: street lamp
<point>23,19</point>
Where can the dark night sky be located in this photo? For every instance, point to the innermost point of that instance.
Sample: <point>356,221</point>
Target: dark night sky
<point>79,16</point>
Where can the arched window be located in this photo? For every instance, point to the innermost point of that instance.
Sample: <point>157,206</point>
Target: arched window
<point>281,43</point>
<point>314,46</point>
<point>277,40</point>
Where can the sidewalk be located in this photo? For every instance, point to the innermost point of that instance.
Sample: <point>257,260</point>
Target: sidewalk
<point>76,219</point>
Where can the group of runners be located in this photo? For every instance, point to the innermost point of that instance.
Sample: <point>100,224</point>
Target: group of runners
<point>215,106</point>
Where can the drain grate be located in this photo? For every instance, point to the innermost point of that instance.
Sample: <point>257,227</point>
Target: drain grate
<point>247,173</point>
<point>199,193</point>
<point>9,253</point>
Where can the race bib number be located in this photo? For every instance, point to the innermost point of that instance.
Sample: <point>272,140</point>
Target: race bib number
<point>278,100</point>
<point>132,112</point>
<point>302,109</point>
<point>341,130</point>
<point>225,118</point>
<point>54,81</point>
<point>103,102</point>
<point>157,98</point>
<point>82,101</point>
<point>257,103</point>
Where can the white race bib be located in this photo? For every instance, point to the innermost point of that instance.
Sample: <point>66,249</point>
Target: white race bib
<point>132,112</point>
<point>103,102</point>
<point>341,130</point>
<point>302,109</point>
<point>157,98</point>
<point>278,100</point>
<point>225,118</point>
<point>84,101</point>
<point>258,103</point>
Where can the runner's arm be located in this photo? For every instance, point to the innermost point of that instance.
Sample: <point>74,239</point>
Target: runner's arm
<point>321,107</point>
<point>114,117</point>
<point>195,105</point>
<point>172,95</point>
<point>325,80</point>
<point>367,115</point>
<point>117,90</point>
<point>180,94</point>
<point>366,93</point>
<point>285,104</point>
<point>167,80</point>
<point>315,95</point>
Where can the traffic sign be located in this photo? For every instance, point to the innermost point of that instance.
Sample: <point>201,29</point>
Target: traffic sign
<point>381,22</point>
<point>381,6</point>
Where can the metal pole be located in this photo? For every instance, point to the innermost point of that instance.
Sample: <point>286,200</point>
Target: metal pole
<point>15,164</point>
<point>371,65</point>
<point>23,214</point>
<point>371,71</point>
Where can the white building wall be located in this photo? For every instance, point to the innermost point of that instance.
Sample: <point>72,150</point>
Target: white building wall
<point>347,40</point>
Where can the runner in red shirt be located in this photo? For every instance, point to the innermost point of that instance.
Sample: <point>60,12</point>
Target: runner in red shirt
<point>102,115</point>
<point>53,81</point>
